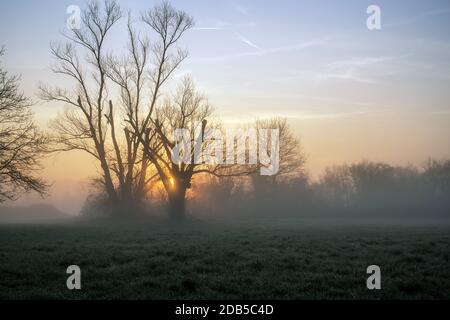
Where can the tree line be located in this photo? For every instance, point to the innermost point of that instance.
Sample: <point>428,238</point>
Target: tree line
<point>365,189</point>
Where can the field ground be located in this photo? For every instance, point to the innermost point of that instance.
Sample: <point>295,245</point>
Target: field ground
<point>199,260</point>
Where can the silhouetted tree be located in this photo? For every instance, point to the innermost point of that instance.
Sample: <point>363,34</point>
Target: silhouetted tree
<point>436,182</point>
<point>437,173</point>
<point>91,124</point>
<point>371,180</point>
<point>366,185</point>
<point>84,126</point>
<point>187,110</point>
<point>336,185</point>
<point>291,157</point>
<point>22,145</point>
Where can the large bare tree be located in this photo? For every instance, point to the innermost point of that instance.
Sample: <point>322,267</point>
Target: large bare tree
<point>22,145</point>
<point>115,136</point>
<point>187,110</point>
<point>84,126</point>
<point>201,152</point>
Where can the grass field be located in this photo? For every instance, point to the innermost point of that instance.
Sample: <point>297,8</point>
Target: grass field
<point>199,260</point>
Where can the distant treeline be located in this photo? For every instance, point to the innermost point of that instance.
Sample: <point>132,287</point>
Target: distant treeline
<point>364,189</point>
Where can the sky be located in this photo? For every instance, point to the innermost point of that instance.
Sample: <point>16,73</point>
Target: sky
<point>350,93</point>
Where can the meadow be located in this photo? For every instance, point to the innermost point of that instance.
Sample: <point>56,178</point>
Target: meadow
<point>270,259</point>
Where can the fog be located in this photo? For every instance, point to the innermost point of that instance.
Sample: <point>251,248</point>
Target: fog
<point>359,190</point>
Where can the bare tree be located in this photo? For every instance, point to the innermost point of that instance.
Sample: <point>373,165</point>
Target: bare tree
<point>116,137</point>
<point>191,111</point>
<point>187,110</point>
<point>169,25</point>
<point>336,185</point>
<point>128,74</point>
<point>22,145</point>
<point>84,126</point>
<point>291,156</point>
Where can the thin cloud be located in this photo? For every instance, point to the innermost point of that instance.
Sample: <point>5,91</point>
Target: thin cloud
<point>268,51</point>
<point>223,25</point>
<point>337,115</point>
<point>240,8</point>
<point>423,16</point>
<point>247,41</point>
<point>335,100</point>
<point>346,76</point>
<point>441,113</point>
<point>357,62</point>
<point>359,69</point>
<point>248,118</point>
<point>207,28</point>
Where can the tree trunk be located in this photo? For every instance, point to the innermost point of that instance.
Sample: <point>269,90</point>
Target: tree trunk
<point>177,204</point>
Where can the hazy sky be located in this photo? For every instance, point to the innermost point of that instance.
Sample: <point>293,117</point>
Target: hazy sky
<point>351,93</point>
